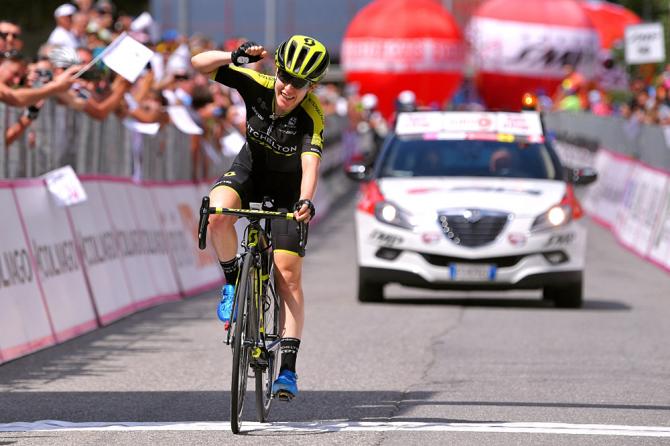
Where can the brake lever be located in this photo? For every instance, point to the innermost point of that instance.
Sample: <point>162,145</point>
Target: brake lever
<point>202,224</point>
<point>302,232</point>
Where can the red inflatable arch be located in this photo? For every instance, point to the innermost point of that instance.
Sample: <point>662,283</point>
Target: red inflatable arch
<point>396,45</point>
<point>609,20</point>
<point>521,46</point>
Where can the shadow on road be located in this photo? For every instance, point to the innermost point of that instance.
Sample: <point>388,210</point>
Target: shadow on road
<point>193,406</point>
<point>93,354</point>
<point>506,302</point>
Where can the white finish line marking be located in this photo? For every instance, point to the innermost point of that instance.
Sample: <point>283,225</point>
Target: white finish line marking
<point>349,426</point>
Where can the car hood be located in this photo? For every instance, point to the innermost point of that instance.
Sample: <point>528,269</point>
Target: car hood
<point>522,197</point>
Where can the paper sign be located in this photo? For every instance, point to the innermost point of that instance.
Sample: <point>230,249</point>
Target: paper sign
<point>147,128</point>
<point>645,43</point>
<point>127,57</point>
<point>183,121</point>
<point>65,186</point>
<point>142,22</point>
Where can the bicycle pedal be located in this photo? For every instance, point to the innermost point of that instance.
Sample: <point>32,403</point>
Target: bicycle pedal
<point>283,395</point>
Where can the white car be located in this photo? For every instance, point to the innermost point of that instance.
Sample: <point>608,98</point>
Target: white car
<point>470,201</point>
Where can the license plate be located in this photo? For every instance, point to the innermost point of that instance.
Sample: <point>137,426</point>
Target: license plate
<point>472,272</point>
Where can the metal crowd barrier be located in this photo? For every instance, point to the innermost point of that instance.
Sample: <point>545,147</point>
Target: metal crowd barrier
<point>62,136</point>
<point>649,144</point>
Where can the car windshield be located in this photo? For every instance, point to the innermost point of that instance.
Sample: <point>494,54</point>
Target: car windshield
<point>412,157</point>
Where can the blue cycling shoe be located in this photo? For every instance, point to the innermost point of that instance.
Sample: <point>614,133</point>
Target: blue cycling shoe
<point>226,305</point>
<point>285,386</point>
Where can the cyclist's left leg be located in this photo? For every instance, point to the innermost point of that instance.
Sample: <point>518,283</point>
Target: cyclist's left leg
<point>288,280</point>
<point>288,275</point>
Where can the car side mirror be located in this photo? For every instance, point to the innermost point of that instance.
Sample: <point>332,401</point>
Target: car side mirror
<point>582,176</point>
<point>357,172</point>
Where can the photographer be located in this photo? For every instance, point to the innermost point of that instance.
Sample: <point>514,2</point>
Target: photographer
<point>38,73</point>
<point>12,69</point>
<point>91,93</point>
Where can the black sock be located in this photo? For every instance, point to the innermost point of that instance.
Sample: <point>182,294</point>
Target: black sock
<point>230,270</point>
<point>289,353</point>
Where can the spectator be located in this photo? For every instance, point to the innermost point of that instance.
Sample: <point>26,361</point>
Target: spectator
<point>79,24</point>
<point>84,6</point>
<point>62,34</point>
<point>567,97</point>
<point>103,14</point>
<point>10,37</point>
<point>38,74</point>
<point>91,93</point>
<point>11,70</point>
<point>598,104</point>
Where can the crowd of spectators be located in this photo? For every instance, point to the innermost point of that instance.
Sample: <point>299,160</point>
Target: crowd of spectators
<point>642,99</point>
<point>81,32</point>
<point>83,29</point>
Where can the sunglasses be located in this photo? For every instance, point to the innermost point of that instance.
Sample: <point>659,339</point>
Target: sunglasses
<point>4,35</point>
<point>287,78</point>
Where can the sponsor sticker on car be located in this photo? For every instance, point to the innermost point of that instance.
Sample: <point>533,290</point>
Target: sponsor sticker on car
<point>456,125</point>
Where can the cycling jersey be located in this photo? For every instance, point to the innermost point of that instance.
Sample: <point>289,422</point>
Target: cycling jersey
<point>274,143</point>
<point>269,163</point>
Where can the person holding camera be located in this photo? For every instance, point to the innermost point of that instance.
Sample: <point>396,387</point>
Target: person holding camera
<point>38,74</point>
<point>86,95</point>
<point>11,70</point>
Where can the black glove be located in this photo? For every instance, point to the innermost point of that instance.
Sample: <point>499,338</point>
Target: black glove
<point>240,56</point>
<point>32,112</point>
<point>309,204</point>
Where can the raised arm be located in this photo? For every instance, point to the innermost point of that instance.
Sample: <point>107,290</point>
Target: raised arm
<point>208,61</point>
<point>22,97</point>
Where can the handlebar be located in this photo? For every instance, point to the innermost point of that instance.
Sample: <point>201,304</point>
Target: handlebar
<point>251,214</point>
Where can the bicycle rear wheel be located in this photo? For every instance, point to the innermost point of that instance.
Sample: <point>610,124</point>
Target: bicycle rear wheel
<point>238,386</point>
<point>265,376</point>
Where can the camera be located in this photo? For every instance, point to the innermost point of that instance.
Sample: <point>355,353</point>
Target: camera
<point>44,76</point>
<point>93,74</point>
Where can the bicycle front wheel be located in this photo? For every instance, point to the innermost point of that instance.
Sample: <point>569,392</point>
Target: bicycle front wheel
<point>265,376</point>
<point>238,386</point>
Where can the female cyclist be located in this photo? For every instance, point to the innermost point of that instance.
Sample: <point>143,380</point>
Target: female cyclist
<point>281,158</point>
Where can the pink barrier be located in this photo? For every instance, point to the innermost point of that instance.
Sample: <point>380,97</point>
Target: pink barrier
<point>26,324</point>
<point>177,207</point>
<point>66,270</point>
<point>102,259</point>
<point>631,199</point>
<point>58,266</point>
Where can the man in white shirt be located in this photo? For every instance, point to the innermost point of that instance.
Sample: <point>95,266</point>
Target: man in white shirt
<point>62,34</point>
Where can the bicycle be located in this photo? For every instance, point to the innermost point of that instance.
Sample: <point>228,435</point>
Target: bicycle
<point>254,331</point>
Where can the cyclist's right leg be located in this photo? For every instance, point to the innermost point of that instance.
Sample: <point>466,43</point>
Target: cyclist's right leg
<point>222,227</point>
<point>224,239</point>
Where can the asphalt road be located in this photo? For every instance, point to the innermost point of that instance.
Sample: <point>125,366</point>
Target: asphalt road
<point>424,368</point>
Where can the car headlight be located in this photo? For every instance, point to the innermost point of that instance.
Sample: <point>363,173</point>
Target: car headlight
<point>555,217</point>
<point>389,213</point>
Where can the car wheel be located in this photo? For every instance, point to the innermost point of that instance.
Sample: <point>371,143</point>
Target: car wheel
<point>566,296</point>
<point>370,292</point>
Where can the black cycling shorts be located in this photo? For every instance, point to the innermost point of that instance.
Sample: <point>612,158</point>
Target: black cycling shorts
<point>283,188</point>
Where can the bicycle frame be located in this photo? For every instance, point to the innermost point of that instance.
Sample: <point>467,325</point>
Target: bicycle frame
<point>252,345</point>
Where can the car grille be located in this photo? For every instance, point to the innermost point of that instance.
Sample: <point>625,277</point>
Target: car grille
<point>500,262</point>
<point>472,227</point>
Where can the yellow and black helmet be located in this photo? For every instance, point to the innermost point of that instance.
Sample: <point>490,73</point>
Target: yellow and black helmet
<point>303,57</point>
